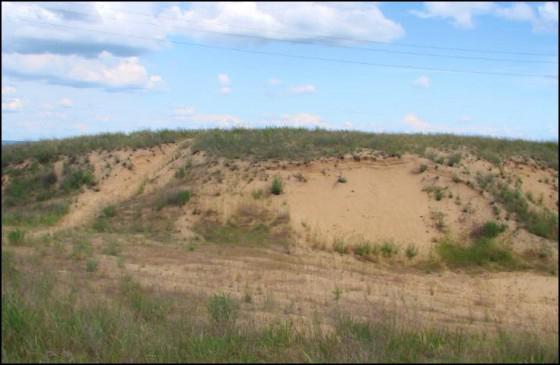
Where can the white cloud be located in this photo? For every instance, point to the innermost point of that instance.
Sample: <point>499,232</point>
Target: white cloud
<point>465,118</point>
<point>415,122</point>
<point>189,114</point>
<point>65,103</point>
<point>318,22</point>
<point>461,13</point>
<point>303,89</point>
<point>542,18</point>
<point>7,90</point>
<point>274,82</point>
<point>348,125</point>
<point>300,120</point>
<point>12,105</point>
<point>423,82</point>
<point>105,71</point>
<point>225,82</point>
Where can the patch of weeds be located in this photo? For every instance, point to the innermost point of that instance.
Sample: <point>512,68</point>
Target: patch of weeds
<point>422,168</point>
<point>456,179</point>
<point>364,249</point>
<point>411,251</point>
<point>91,265</point>
<point>340,247</point>
<point>482,252</point>
<point>176,198</point>
<point>454,159</point>
<point>337,292</point>
<point>180,173</point>
<point>439,220</point>
<point>16,237</point>
<point>112,248</point>
<point>530,197</point>
<point>438,191</point>
<point>489,229</point>
<point>342,180</point>
<point>222,311</point>
<point>276,187</point>
<point>81,250</point>
<point>257,194</point>
<point>247,298</point>
<point>388,249</point>
<point>109,212</point>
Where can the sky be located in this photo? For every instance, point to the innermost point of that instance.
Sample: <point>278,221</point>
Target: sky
<point>470,68</point>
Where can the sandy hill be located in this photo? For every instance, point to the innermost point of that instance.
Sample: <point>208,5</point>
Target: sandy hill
<point>461,231</point>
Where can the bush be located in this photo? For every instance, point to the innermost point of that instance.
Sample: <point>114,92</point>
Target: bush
<point>388,249</point>
<point>109,212</point>
<point>481,252</point>
<point>276,187</point>
<point>490,229</point>
<point>411,251</point>
<point>454,159</point>
<point>363,249</point>
<point>423,167</point>
<point>342,180</point>
<point>340,247</point>
<point>177,198</point>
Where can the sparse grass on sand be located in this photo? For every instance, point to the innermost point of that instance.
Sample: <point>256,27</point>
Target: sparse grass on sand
<point>41,324</point>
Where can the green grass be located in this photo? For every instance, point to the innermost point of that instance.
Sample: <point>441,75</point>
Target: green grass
<point>411,251</point>
<point>35,214</point>
<point>276,187</point>
<point>91,265</point>
<point>16,237</point>
<point>490,229</point>
<point>340,247</point>
<point>230,233</point>
<point>543,222</point>
<point>303,144</point>
<point>138,325</point>
<point>364,249</point>
<point>388,249</point>
<point>483,252</point>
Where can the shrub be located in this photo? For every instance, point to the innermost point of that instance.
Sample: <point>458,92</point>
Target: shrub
<point>180,173</point>
<point>388,249</point>
<point>16,237</point>
<point>340,247</point>
<point>411,251</point>
<point>109,212</point>
<point>423,167</point>
<point>454,159</point>
<point>91,265</point>
<point>337,293</point>
<point>177,198</point>
<point>112,248</point>
<point>490,229</point>
<point>276,187</point>
<point>482,252</point>
<point>363,249</point>
<point>257,194</point>
<point>342,180</point>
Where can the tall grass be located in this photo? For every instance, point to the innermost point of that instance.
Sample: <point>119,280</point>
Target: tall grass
<point>39,324</point>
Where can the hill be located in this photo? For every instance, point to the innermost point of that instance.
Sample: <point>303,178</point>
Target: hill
<point>281,244</point>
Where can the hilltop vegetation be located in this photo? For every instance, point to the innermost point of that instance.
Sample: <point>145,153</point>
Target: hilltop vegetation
<point>285,143</point>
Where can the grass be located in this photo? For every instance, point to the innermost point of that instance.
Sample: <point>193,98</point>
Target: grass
<point>234,234</point>
<point>540,222</point>
<point>388,249</point>
<point>437,191</point>
<point>41,325</point>
<point>483,252</point>
<point>340,247</point>
<point>342,180</point>
<point>112,248</point>
<point>35,214</point>
<point>91,265</point>
<point>303,144</point>
<point>16,237</point>
<point>489,229</point>
<point>276,187</point>
<point>173,198</point>
<point>411,251</point>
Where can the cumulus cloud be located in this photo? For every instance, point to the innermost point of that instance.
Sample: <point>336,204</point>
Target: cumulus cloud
<point>305,21</point>
<point>423,82</point>
<point>461,13</point>
<point>225,82</point>
<point>415,122</point>
<point>303,89</point>
<point>7,90</point>
<point>105,71</point>
<point>542,18</point>
<point>65,102</point>
<point>12,105</point>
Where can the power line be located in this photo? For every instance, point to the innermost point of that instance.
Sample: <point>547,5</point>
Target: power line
<point>262,38</point>
<point>332,38</point>
<point>280,54</point>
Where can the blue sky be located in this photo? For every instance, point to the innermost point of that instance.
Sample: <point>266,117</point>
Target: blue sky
<point>83,68</point>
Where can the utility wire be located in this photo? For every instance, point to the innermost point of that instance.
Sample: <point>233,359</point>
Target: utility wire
<point>342,39</point>
<point>301,56</point>
<point>263,38</point>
